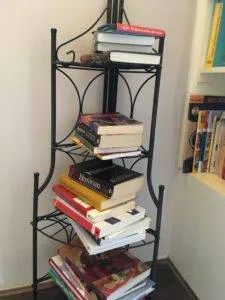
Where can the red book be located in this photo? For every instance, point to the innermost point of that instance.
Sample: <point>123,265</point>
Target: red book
<point>72,199</point>
<point>140,30</point>
<point>72,213</point>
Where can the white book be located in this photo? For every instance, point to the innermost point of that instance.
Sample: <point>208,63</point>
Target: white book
<point>137,286</point>
<point>96,216</point>
<point>105,156</point>
<point>137,227</point>
<point>141,292</point>
<point>93,248</point>
<point>106,47</point>
<point>130,39</point>
<point>135,58</point>
<point>117,223</point>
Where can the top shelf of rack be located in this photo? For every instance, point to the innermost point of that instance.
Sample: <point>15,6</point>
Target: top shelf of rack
<point>102,67</point>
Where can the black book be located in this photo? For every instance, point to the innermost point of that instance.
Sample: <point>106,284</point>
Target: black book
<point>107,178</point>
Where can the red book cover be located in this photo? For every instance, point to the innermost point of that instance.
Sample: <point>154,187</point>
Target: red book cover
<point>140,30</point>
<point>72,213</point>
<point>71,199</point>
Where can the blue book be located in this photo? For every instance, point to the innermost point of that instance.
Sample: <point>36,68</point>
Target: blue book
<point>219,59</point>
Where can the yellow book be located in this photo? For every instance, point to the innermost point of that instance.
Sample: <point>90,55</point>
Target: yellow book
<point>214,34</point>
<point>91,197</point>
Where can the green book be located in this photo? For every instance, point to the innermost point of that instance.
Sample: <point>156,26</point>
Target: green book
<point>61,284</point>
<point>219,59</point>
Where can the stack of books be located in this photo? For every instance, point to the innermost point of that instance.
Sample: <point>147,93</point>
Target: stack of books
<point>112,275</point>
<point>109,136</point>
<point>202,121</point>
<point>209,152</point>
<point>215,56</point>
<point>124,43</point>
<point>99,198</point>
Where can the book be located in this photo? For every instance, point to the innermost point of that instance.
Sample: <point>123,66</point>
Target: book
<point>117,38</point>
<point>215,148</point>
<point>107,156</point>
<point>196,103</point>
<point>200,140</point>
<point>107,178</point>
<point>141,292</point>
<point>132,29</point>
<point>92,197</point>
<point>215,121</point>
<point>221,150</point>
<point>59,281</point>
<point>215,26</point>
<point>72,199</point>
<point>219,58</point>
<point>108,140</point>
<point>121,57</point>
<point>102,228</point>
<point>99,150</point>
<point>107,47</point>
<point>109,274</point>
<point>89,211</point>
<point>111,123</point>
<point>70,278</point>
<point>211,119</point>
<point>94,248</point>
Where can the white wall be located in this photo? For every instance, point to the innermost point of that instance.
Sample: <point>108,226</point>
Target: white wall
<point>25,95</point>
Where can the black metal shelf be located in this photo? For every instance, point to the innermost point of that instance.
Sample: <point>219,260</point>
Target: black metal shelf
<point>55,225</point>
<point>102,67</point>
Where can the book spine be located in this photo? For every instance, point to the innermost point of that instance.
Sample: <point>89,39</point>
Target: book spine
<point>88,134</point>
<point>214,34</point>
<point>77,217</point>
<point>154,32</point>
<point>61,284</point>
<point>219,59</point>
<point>71,199</point>
<point>88,180</point>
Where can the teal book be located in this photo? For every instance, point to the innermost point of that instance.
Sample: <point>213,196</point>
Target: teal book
<point>61,284</point>
<point>219,59</point>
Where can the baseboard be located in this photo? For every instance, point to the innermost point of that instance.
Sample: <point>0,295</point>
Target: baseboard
<point>25,289</point>
<point>181,279</point>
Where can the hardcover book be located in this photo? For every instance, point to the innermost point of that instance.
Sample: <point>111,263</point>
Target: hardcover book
<point>107,178</point>
<point>132,29</point>
<point>111,123</point>
<point>93,247</point>
<point>92,197</point>
<point>119,38</point>
<point>99,150</point>
<point>196,103</point>
<point>110,274</point>
<point>107,47</point>
<point>108,140</point>
<point>121,57</point>
<point>106,156</point>
<point>105,227</point>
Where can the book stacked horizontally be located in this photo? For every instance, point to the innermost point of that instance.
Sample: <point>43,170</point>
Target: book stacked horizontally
<point>109,136</point>
<point>112,275</point>
<point>124,43</point>
<point>99,198</point>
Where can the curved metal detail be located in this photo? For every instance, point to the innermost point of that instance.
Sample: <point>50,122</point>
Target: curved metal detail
<point>138,92</point>
<point>43,278</point>
<point>87,87</point>
<point>78,36</point>
<point>56,225</point>
<point>129,90</point>
<point>50,173</point>
<point>79,99</point>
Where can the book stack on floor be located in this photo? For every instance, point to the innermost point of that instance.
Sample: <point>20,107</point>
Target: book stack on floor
<point>123,43</point>
<point>112,275</point>
<point>99,198</point>
<point>109,136</point>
